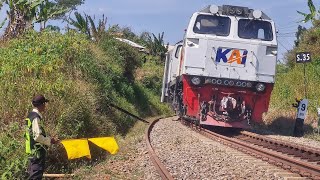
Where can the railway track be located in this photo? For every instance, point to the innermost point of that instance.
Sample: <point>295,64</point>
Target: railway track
<point>162,170</point>
<point>289,156</point>
<point>298,159</point>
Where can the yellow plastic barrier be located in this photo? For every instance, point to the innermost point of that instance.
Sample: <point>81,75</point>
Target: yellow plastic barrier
<point>77,148</point>
<point>107,143</point>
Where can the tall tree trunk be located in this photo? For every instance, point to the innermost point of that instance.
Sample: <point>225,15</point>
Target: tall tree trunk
<point>17,23</point>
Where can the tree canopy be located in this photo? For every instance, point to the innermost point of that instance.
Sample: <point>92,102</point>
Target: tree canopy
<point>71,4</point>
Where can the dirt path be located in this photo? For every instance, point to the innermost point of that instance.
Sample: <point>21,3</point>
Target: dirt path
<point>132,161</point>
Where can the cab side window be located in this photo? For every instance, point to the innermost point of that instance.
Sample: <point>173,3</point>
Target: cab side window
<point>178,51</point>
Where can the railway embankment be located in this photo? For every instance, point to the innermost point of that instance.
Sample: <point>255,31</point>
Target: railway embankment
<point>80,77</point>
<point>290,85</point>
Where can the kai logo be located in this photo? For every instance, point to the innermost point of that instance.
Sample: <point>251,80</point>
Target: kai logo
<point>231,56</point>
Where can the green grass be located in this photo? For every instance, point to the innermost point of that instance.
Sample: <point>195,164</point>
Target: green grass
<point>80,77</point>
<point>290,85</point>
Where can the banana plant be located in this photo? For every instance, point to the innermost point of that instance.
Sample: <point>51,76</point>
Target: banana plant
<point>23,14</point>
<point>100,29</point>
<point>156,44</point>
<point>80,23</point>
<point>48,10</point>
<point>312,16</point>
<point>17,17</point>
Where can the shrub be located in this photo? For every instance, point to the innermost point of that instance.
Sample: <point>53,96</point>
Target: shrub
<point>80,78</point>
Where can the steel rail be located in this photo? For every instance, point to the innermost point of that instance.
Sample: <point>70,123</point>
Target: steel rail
<point>295,165</point>
<point>162,170</point>
<point>282,142</point>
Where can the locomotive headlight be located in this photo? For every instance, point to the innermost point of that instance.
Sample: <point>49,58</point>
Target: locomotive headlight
<point>196,80</point>
<point>226,82</point>
<point>260,87</point>
<point>214,81</point>
<point>257,14</point>
<point>208,81</point>
<point>214,9</point>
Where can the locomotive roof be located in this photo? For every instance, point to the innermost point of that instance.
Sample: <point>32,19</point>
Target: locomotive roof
<point>225,10</point>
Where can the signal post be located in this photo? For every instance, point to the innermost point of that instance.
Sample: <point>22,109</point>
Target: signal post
<point>301,104</point>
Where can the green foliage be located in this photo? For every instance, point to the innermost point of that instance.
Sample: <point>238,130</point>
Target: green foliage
<point>81,23</point>
<point>299,34</point>
<point>69,4</point>
<point>156,45</point>
<point>48,10</point>
<point>290,85</point>
<point>124,32</point>
<point>86,25</point>
<point>22,15</point>
<point>313,12</point>
<point>290,78</point>
<point>128,61</point>
<point>309,41</point>
<point>53,28</point>
<point>81,78</point>
<point>13,161</point>
<point>151,74</point>
<point>98,31</point>
<point>282,68</point>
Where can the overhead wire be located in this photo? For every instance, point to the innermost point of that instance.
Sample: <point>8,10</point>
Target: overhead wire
<point>283,54</point>
<point>288,26</point>
<point>286,36</point>
<point>286,40</point>
<point>283,33</point>
<point>283,45</point>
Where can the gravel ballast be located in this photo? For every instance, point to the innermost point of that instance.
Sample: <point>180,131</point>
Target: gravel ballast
<point>188,155</point>
<point>303,141</point>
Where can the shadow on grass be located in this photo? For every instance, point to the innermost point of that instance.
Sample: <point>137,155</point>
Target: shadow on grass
<point>142,103</point>
<point>283,126</point>
<point>57,160</point>
<point>122,121</point>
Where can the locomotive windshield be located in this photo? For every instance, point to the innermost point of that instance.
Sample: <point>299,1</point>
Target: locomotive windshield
<point>255,29</point>
<point>208,24</point>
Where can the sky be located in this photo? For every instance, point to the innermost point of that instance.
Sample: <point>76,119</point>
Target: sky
<point>172,16</point>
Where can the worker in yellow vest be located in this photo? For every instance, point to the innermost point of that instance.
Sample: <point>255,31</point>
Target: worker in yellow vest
<point>37,141</point>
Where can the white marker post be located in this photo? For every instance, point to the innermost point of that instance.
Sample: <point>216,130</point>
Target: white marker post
<point>301,116</point>
<point>302,109</point>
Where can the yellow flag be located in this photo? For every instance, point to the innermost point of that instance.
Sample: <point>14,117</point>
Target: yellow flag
<point>107,143</point>
<point>77,148</point>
